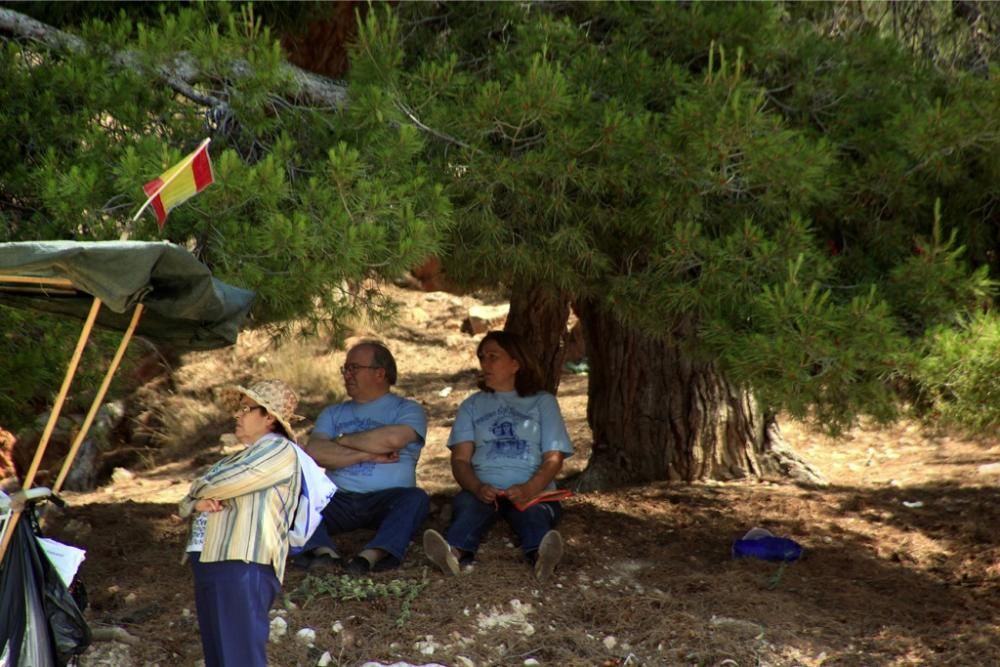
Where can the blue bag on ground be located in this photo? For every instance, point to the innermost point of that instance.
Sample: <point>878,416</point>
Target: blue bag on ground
<point>762,545</point>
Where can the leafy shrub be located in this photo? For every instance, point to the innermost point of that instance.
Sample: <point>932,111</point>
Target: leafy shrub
<point>959,374</point>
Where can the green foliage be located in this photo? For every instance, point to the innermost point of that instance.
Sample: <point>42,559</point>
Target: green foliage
<point>38,348</point>
<point>795,191</point>
<point>958,374</point>
<point>310,207</point>
<point>725,176</point>
<point>345,587</point>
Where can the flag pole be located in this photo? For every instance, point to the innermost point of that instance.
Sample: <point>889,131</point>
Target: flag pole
<point>179,169</point>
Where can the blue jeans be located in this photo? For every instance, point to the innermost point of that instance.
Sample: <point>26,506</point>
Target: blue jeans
<point>232,599</point>
<point>472,518</point>
<point>395,514</point>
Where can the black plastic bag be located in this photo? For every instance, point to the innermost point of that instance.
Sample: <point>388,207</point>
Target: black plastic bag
<point>41,626</point>
<point>25,638</point>
<point>70,632</point>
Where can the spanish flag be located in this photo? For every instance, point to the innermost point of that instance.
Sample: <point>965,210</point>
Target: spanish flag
<point>179,183</point>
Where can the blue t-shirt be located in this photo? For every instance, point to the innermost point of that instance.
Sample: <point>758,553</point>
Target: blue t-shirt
<point>387,410</point>
<point>510,433</point>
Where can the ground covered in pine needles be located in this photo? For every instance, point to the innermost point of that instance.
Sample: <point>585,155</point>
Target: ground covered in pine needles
<point>902,561</point>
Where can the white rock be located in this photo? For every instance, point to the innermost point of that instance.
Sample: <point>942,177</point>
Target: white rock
<point>337,627</point>
<point>609,642</point>
<point>445,393</point>
<point>989,469</point>
<point>186,613</point>
<point>306,637</point>
<point>418,315</point>
<point>324,659</point>
<point>279,628</point>
<point>121,476</point>
<point>462,661</point>
<point>531,662</point>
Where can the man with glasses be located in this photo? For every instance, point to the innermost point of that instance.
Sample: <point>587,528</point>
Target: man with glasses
<point>369,446</point>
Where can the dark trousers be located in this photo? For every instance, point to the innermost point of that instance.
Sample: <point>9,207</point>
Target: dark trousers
<point>395,514</point>
<point>233,599</point>
<point>473,518</point>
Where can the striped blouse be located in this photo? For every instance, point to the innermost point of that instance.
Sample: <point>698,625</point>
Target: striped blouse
<point>260,487</point>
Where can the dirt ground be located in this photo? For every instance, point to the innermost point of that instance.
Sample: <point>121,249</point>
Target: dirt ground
<point>902,561</point>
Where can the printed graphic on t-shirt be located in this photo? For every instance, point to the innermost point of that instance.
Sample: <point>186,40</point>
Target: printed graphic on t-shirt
<point>198,527</point>
<point>506,445</point>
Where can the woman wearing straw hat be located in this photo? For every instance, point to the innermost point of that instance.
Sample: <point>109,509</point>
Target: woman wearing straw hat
<point>239,537</point>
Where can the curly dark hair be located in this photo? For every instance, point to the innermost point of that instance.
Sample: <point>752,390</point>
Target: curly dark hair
<point>528,379</point>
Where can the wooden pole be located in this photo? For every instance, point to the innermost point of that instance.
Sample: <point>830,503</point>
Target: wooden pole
<point>95,406</point>
<point>36,280</point>
<point>88,326</point>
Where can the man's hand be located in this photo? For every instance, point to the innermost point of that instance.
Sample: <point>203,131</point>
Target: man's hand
<point>389,457</point>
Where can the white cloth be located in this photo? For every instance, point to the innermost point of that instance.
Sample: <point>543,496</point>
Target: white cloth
<point>317,490</point>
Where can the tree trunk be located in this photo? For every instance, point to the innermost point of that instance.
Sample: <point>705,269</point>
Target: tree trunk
<point>539,316</point>
<point>321,46</point>
<point>658,414</point>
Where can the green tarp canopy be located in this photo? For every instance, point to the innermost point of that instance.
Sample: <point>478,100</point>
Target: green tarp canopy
<point>184,305</point>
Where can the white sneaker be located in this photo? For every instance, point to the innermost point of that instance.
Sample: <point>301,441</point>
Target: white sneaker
<point>439,552</point>
<point>550,552</point>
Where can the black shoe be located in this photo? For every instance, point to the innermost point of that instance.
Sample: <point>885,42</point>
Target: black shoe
<point>388,562</point>
<point>359,566</point>
<point>325,562</point>
<point>322,558</point>
<point>302,560</point>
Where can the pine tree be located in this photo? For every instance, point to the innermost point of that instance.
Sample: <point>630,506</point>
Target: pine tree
<point>302,211</point>
<point>741,207</point>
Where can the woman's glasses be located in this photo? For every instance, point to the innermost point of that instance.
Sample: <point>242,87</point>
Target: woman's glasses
<point>244,409</point>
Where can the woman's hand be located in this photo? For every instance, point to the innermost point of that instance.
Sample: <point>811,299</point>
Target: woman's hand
<point>487,494</point>
<point>208,505</point>
<point>521,493</point>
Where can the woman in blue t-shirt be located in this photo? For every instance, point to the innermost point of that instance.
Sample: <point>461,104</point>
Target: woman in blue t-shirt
<point>507,446</point>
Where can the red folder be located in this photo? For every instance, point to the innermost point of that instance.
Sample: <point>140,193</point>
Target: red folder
<point>548,496</point>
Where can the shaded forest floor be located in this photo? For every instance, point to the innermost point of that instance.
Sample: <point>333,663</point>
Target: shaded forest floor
<point>902,564</point>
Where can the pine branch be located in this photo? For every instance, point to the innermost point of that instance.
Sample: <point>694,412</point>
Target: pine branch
<point>181,73</point>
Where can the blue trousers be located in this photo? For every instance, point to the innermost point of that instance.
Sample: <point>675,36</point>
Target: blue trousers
<point>233,599</point>
<point>472,519</point>
<point>395,514</point>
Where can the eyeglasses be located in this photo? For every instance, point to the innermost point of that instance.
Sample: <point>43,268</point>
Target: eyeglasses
<point>244,409</point>
<point>354,368</point>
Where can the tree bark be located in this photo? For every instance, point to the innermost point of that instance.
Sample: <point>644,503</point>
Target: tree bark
<point>182,72</point>
<point>539,315</point>
<point>658,414</point>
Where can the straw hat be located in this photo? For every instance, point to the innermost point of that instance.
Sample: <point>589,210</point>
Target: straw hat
<point>276,397</point>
